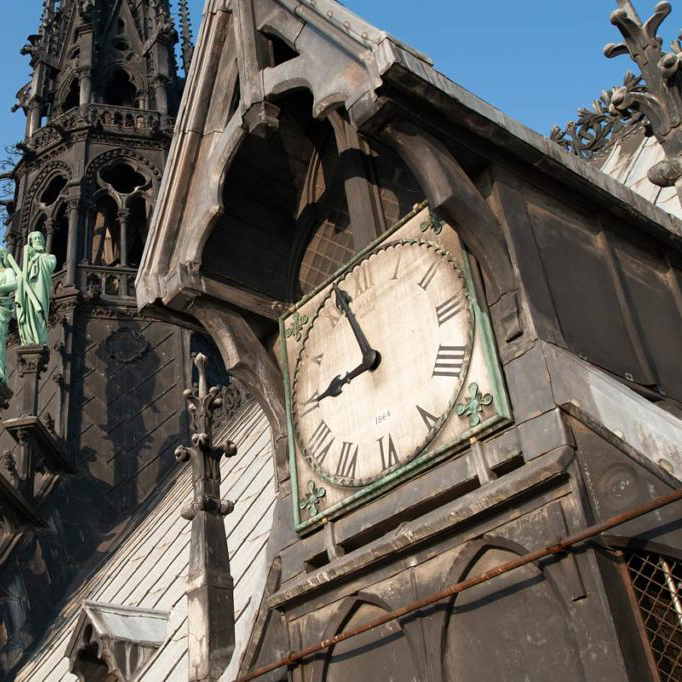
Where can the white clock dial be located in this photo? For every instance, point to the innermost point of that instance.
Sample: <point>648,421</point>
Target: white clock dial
<point>359,417</point>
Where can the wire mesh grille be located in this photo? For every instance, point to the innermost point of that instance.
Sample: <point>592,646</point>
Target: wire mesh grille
<point>656,581</point>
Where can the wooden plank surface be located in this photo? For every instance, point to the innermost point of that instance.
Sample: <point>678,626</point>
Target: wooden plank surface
<point>149,566</point>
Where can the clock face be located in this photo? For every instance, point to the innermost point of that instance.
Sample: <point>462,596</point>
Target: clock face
<point>383,362</point>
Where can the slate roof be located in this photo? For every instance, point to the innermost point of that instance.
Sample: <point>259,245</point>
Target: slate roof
<point>148,568</point>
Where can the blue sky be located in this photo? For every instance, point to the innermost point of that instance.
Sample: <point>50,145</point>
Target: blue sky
<point>537,60</point>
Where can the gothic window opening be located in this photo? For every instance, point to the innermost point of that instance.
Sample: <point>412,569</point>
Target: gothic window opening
<point>72,98</point>
<point>137,230</point>
<point>60,229</point>
<point>123,178</point>
<point>120,90</point>
<point>105,233</point>
<point>656,581</point>
<point>40,225</point>
<point>53,190</point>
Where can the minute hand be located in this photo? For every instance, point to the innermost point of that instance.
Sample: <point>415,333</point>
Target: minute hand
<point>370,357</point>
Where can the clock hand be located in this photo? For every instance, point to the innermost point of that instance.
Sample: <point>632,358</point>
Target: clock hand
<point>370,358</point>
<point>338,382</point>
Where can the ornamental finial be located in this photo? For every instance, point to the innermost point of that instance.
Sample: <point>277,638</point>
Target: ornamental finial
<point>210,619</point>
<point>661,103</point>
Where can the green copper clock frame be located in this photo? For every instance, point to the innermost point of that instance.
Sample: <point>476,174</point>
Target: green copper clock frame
<point>293,323</point>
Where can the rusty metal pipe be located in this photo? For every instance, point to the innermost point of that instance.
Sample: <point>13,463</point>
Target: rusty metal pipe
<point>561,546</point>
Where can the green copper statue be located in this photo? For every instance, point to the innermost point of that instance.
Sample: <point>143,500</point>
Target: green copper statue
<point>34,288</point>
<point>8,285</point>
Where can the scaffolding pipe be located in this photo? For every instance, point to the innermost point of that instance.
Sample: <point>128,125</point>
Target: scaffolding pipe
<point>294,658</point>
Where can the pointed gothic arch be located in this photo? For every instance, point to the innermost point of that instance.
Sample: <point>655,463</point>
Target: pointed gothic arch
<point>386,643</point>
<point>49,172</point>
<point>530,589</point>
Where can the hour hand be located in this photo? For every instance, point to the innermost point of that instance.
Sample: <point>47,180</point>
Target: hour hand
<point>370,357</point>
<point>338,382</point>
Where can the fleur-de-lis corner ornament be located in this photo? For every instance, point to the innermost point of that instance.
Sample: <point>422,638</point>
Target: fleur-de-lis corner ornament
<point>203,454</point>
<point>210,587</point>
<point>312,499</point>
<point>474,404</point>
<point>298,322</point>
<point>434,223</point>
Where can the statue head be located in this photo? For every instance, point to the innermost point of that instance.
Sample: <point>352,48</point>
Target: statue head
<point>3,257</point>
<point>36,241</point>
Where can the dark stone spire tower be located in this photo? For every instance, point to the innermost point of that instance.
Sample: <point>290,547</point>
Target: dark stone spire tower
<point>99,109</point>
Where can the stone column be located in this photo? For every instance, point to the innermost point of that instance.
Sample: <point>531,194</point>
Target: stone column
<point>49,234</point>
<point>123,216</point>
<point>31,363</point>
<point>161,94</point>
<point>35,117</point>
<point>86,87</point>
<point>72,243</point>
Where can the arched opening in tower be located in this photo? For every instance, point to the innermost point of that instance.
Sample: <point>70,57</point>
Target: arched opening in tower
<point>73,97</point>
<point>53,190</point>
<point>40,225</point>
<point>123,178</point>
<point>60,229</point>
<point>120,90</point>
<point>105,233</point>
<point>137,230</point>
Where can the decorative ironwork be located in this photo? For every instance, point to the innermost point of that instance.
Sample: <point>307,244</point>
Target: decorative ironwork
<point>296,329</point>
<point>656,583</point>
<point>126,345</point>
<point>313,498</point>
<point>596,129</point>
<point>474,404</point>
<point>433,223</point>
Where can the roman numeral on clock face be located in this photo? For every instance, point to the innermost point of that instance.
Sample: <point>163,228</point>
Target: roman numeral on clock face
<point>362,278</point>
<point>428,419</point>
<point>348,461</point>
<point>331,313</point>
<point>389,455</point>
<point>321,442</point>
<point>449,361</point>
<point>428,276</point>
<point>310,405</point>
<point>448,309</point>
